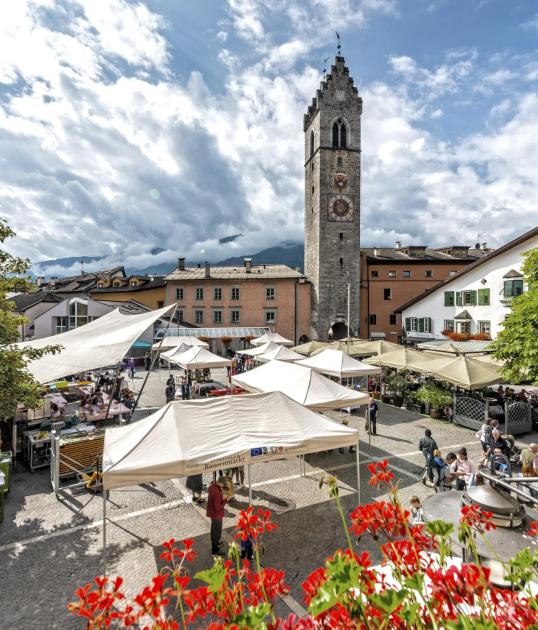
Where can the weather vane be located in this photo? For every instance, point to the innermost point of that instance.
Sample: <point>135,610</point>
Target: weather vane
<point>338,46</point>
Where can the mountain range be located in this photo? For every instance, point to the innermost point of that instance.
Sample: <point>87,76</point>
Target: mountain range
<point>285,253</point>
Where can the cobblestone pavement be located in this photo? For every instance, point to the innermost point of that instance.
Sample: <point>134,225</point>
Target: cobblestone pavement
<point>49,546</point>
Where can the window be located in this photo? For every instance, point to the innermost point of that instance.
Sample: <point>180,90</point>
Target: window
<point>428,273</point>
<point>100,285</point>
<point>198,317</point>
<point>134,283</point>
<point>448,325</point>
<point>463,327</point>
<point>392,274</point>
<point>406,274</point>
<point>78,314</point>
<point>341,236</point>
<point>484,328</point>
<point>61,325</point>
<point>311,143</point>
<point>217,293</point>
<point>339,134</point>
<point>468,298</point>
<point>234,316</point>
<point>483,297</point>
<point>372,319</point>
<point>392,319</point>
<point>339,162</point>
<point>160,303</point>
<point>199,293</point>
<point>116,284</point>
<point>235,294</point>
<point>217,317</point>
<point>513,288</point>
<point>387,294</point>
<point>451,273</point>
<point>341,262</point>
<point>270,317</point>
<point>411,324</point>
<point>270,293</point>
<point>374,274</point>
<point>179,294</point>
<point>449,298</point>
<point>179,316</point>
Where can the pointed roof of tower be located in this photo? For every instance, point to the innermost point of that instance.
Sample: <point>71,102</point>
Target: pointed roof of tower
<point>340,69</point>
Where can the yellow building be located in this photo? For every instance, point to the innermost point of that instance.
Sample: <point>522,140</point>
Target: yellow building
<point>147,290</point>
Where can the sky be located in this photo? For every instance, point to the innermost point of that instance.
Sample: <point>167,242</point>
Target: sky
<point>129,125</point>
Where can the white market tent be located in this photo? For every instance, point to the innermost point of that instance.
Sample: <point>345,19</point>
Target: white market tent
<point>198,357</point>
<point>266,347</point>
<point>100,343</point>
<point>271,336</point>
<point>301,384</point>
<point>175,352</point>
<point>246,429</point>
<point>338,363</point>
<point>173,342</point>
<point>279,354</point>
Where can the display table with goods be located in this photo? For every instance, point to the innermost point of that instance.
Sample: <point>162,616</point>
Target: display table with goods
<point>80,451</point>
<point>37,444</point>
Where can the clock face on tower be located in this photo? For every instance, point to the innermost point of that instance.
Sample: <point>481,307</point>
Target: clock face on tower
<point>340,208</point>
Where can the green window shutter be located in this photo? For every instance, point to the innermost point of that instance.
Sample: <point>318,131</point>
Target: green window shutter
<point>428,324</point>
<point>449,298</point>
<point>483,297</point>
<point>517,287</point>
<point>420,324</point>
<point>473,298</point>
<point>408,323</point>
<point>458,298</point>
<point>507,288</point>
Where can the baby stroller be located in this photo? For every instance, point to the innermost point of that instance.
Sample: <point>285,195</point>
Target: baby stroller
<point>514,454</point>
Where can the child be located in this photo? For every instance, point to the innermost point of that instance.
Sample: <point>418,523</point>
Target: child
<point>247,549</point>
<point>417,515</point>
<point>439,464</point>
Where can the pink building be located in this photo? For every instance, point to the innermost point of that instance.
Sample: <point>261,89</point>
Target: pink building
<point>274,296</point>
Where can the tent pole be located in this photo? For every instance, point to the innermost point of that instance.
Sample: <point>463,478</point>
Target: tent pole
<point>358,473</point>
<point>104,532</point>
<point>249,485</point>
<point>369,434</point>
<point>157,352</point>
<point>118,371</point>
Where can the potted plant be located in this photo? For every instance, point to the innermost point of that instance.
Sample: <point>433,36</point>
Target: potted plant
<point>398,385</point>
<point>412,404</point>
<point>436,397</point>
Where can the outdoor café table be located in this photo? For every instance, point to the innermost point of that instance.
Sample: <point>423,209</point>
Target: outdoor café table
<point>115,410</point>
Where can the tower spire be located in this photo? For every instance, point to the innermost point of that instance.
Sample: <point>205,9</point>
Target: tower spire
<point>338,45</point>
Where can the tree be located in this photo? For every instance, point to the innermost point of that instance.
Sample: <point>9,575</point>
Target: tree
<point>517,343</point>
<point>16,383</point>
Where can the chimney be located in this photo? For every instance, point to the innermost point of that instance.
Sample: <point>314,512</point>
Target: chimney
<point>398,244</point>
<point>181,263</point>
<point>248,264</point>
<point>376,251</point>
<point>207,270</point>
<point>40,281</point>
<point>484,246</point>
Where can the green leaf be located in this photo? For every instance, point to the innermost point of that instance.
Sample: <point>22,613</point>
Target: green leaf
<point>253,617</point>
<point>343,573</point>
<point>389,600</point>
<point>440,528</point>
<point>213,577</point>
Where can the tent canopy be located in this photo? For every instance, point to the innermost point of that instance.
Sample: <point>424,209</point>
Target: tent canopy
<point>100,343</point>
<point>173,342</point>
<point>302,384</point>
<point>338,363</point>
<point>266,347</point>
<point>349,346</point>
<point>455,347</point>
<point>308,348</point>
<point>367,348</point>
<point>176,351</point>
<point>195,436</point>
<point>198,357</point>
<point>271,336</point>
<point>469,372</point>
<point>279,354</point>
<point>409,359</point>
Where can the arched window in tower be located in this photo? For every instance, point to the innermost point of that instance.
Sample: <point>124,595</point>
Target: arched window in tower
<point>336,130</point>
<point>311,143</point>
<point>343,136</point>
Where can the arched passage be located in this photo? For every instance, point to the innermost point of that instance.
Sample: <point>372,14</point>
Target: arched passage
<point>339,331</point>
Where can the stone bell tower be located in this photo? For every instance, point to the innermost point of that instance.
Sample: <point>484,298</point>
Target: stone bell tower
<point>332,128</point>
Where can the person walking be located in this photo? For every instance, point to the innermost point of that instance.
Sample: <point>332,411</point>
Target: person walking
<point>170,391</point>
<point>147,361</point>
<point>186,390</point>
<point>484,434</point>
<point>373,417</point>
<point>427,445</point>
<point>215,511</point>
<point>195,484</point>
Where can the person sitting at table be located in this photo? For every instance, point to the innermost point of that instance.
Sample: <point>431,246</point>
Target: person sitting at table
<point>86,402</point>
<point>522,396</point>
<point>500,395</point>
<point>55,411</point>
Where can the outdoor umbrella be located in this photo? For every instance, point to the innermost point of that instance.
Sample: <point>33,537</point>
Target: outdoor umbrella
<point>351,347</point>
<point>279,354</point>
<point>469,373</point>
<point>173,342</point>
<point>308,348</point>
<point>199,357</point>
<point>266,347</point>
<point>301,384</point>
<point>380,346</point>
<point>409,359</point>
<point>338,363</point>
<point>271,336</point>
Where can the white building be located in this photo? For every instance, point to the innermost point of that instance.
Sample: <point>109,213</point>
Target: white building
<point>474,300</point>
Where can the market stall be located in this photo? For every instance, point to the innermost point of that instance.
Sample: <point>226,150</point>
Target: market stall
<point>199,357</point>
<point>368,348</point>
<point>302,384</point>
<point>169,342</point>
<point>308,348</point>
<point>271,336</point>
<point>268,346</point>
<point>338,363</point>
<point>279,354</point>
